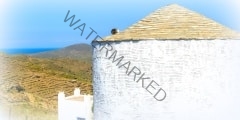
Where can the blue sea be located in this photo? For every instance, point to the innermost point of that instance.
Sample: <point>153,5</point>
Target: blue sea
<point>14,51</point>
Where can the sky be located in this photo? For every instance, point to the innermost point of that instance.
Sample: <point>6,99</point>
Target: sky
<point>40,24</point>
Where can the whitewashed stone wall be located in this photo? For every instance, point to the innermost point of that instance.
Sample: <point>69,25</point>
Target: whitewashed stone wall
<point>201,79</point>
<point>70,108</point>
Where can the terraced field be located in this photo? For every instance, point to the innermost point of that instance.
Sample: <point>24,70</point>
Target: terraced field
<point>36,82</point>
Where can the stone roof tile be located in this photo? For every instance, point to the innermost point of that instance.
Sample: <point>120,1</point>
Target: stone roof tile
<point>174,22</point>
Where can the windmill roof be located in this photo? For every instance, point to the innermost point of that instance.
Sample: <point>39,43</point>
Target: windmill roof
<point>174,22</point>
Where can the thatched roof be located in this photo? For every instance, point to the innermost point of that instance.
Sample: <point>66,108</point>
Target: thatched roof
<point>174,22</point>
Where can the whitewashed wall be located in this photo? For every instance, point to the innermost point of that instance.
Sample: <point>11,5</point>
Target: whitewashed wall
<point>201,79</point>
<point>69,109</point>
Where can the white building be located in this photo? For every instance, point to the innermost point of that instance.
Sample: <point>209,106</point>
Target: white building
<point>76,107</point>
<point>186,67</point>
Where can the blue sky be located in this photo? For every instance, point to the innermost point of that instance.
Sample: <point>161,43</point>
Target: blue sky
<point>40,24</point>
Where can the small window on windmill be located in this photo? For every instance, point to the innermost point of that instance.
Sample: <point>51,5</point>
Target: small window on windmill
<point>78,118</point>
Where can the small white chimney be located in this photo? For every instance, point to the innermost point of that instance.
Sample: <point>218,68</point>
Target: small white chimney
<point>61,95</point>
<point>76,92</point>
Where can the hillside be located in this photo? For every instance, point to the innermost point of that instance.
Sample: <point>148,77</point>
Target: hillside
<point>76,51</point>
<point>33,82</point>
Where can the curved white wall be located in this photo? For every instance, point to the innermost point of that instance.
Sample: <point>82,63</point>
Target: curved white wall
<point>201,79</point>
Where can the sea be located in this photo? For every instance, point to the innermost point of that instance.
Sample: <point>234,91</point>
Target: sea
<point>15,51</point>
